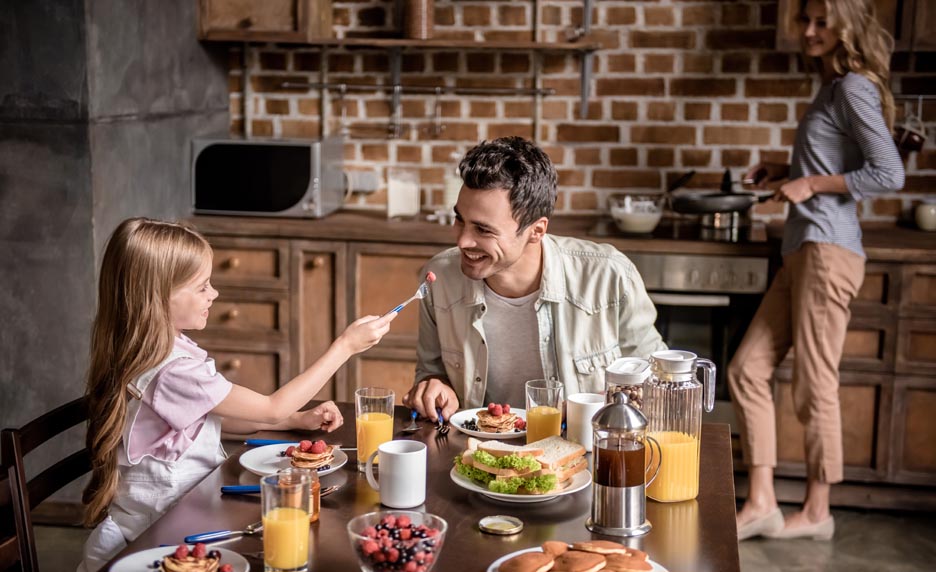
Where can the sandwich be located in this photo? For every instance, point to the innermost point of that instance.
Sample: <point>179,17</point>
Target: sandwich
<point>536,468</point>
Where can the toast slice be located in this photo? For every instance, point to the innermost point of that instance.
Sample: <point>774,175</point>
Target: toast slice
<point>499,449</point>
<point>557,452</point>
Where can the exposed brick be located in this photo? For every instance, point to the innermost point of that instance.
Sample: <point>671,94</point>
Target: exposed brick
<point>886,206</point>
<point>306,61</point>
<point>555,109</point>
<point>409,153</point>
<point>735,14</point>
<point>740,39</point>
<point>777,88</point>
<point>445,61</point>
<point>571,177</point>
<point>563,86</point>
<point>570,132</point>
<point>308,106</point>
<point>375,63</point>
<point>620,15</point>
<point>556,153</point>
<point>482,109</point>
<point>735,157</point>
<point>696,111</point>
<point>555,63</point>
<point>629,86</point>
<point>450,108</point>
<point>774,62</point>
<point>341,17</point>
<point>663,134</point>
<point>444,16</point>
<point>768,14</point>
<point>926,159</point>
<point>920,184</point>
<point>480,62</point>
<point>695,157</point>
<point>476,15</point>
<point>431,176</point>
<point>658,16</point>
<point>489,82</point>
<point>588,156</point>
<point>774,156</point>
<point>626,110</point>
<point>735,135</point>
<point>273,60</point>
<point>799,110</point>
<point>375,152</point>
<point>770,208</point>
<point>623,157</point>
<point>510,15</point>
<point>925,85</point>
<point>515,63</point>
<point>371,17</point>
<point>681,40</point>
<point>736,63</point>
<point>787,136</point>
<point>460,132</point>
<point>773,112</point>
<point>659,63</point>
<point>338,63</point>
<point>277,106</point>
<point>517,108</point>
<point>300,129</point>
<point>629,178</point>
<point>234,83</point>
<point>734,112</point>
<point>698,15</point>
<point>377,108</point>
<point>274,83</point>
<point>413,108</point>
<point>660,157</point>
<point>413,63</point>
<point>583,201</point>
<point>621,63</point>
<point>702,87</point>
<point>575,14</point>
<point>661,110</point>
<point>552,15</point>
<point>698,63</point>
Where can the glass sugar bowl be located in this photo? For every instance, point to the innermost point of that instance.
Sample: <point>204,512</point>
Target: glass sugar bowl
<point>627,375</point>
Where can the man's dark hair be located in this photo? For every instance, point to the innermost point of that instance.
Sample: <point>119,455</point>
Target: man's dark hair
<point>517,166</point>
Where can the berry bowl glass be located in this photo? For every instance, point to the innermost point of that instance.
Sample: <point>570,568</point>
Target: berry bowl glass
<point>397,540</point>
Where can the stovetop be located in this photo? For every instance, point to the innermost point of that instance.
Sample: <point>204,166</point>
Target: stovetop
<point>685,229</point>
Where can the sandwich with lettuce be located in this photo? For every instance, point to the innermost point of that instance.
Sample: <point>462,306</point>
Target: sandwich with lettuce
<point>541,467</point>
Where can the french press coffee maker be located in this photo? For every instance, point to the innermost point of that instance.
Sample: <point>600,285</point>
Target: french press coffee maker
<point>619,499</point>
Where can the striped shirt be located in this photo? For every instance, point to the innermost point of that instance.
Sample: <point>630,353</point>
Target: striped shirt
<point>843,132</point>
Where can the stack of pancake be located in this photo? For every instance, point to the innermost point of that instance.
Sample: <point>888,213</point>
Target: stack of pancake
<point>313,461</point>
<point>489,423</point>
<point>589,556</point>
<point>190,563</point>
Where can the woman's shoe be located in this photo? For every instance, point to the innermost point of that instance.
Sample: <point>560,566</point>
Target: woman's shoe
<point>766,525</point>
<point>823,530</point>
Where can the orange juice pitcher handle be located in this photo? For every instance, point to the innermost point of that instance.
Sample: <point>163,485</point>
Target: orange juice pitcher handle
<point>653,442</point>
<point>708,385</point>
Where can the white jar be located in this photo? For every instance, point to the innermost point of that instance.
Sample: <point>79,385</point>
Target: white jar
<point>926,216</point>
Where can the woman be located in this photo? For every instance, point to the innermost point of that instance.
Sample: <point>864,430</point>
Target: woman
<point>843,153</point>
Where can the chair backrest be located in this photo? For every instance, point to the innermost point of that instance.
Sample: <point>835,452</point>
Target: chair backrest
<point>25,495</point>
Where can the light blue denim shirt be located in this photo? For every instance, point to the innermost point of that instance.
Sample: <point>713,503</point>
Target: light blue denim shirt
<point>592,309</point>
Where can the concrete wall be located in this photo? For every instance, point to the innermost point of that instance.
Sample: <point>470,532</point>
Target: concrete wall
<point>99,100</point>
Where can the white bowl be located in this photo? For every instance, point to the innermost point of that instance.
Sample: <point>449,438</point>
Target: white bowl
<point>636,214</point>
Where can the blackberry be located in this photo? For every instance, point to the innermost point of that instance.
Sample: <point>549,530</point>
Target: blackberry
<point>324,467</point>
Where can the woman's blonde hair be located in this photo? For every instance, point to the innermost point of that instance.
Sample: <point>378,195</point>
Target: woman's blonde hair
<point>145,260</point>
<point>865,47</point>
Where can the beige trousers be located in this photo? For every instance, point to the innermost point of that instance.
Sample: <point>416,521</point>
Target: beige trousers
<point>806,307</point>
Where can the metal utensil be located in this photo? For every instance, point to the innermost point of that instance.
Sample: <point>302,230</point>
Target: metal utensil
<point>421,293</point>
<point>217,535</point>
<point>442,426</point>
<point>412,426</point>
<point>328,490</point>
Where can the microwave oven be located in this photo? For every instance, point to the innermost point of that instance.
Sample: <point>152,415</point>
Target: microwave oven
<point>287,178</point>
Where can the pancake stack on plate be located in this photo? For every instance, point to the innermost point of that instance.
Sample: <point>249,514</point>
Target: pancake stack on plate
<point>590,556</point>
<point>497,419</point>
<point>315,457</point>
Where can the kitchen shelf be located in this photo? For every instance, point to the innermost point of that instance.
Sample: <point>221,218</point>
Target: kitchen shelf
<point>433,44</point>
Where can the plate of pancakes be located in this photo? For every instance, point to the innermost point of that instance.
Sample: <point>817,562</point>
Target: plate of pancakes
<point>489,426</point>
<point>144,560</point>
<point>269,459</point>
<point>585,556</point>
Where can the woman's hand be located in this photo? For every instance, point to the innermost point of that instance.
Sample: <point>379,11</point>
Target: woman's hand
<point>326,417</point>
<point>764,173</point>
<point>795,191</point>
<point>365,332</point>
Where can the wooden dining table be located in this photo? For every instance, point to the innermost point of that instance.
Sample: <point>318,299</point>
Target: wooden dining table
<point>699,534</point>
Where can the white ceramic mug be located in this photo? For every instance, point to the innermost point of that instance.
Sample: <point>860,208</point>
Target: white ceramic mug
<point>402,473</point>
<point>580,408</point>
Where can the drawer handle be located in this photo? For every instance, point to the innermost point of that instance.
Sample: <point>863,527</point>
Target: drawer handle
<point>232,314</point>
<point>318,262</point>
<point>232,263</point>
<point>245,23</point>
<point>234,364</point>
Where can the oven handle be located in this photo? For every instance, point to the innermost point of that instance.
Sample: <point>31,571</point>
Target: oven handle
<point>696,300</point>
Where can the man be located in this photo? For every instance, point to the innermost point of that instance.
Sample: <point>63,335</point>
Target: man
<point>511,303</point>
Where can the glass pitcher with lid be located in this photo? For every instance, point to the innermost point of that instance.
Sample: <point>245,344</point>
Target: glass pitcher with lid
<point>673,404</point>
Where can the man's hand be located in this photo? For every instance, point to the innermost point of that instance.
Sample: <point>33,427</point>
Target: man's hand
<point>429,394</point>
<point>325,417</point>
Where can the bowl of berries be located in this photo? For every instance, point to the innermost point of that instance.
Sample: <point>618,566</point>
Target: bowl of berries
<point>397,540</point>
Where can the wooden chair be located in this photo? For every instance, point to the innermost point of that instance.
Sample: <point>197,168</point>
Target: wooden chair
<point>19,496</point>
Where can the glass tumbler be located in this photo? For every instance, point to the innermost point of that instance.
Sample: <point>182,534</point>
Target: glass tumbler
<point>373,414</point>
<point>285,509</point>
<point>543,408</point>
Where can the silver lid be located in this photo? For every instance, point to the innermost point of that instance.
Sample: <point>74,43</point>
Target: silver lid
<point>619,416</point>
<point>500,524</point>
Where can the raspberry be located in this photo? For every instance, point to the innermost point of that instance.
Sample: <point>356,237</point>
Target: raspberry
<point>410,566</point>
<point>406,534</point>
<point>181,552</point>
<point>226,568</point>
<point>389,520</point>
<point>403,521</point>
<point>370,547</point>
<point>430,276</point>
<point>491,407</point>
<point>498,411</point>
<point>318,447</point>
<point>289,450</point>
<point>393,555</point>
<point>520,424</point>
<point>370,532</point>
<point>305,445</point>
<point>200,550</point>
<point>506,408</point>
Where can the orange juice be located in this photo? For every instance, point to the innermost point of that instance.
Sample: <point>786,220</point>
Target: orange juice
<point>678,479</point>
<point>286,538</point>
<point>543,421</point>
<point>372,430</point>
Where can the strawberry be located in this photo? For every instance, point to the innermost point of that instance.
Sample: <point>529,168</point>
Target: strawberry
<point>498,411</point>
<point>491,408</point>
<point>305,445</point>
<point>200,550</point>
<point>506,408</point>
<point>181,552</point>
<point>520,424</point>
<point>290,450</point>
<point>318,447</point>
<point>226,568</point>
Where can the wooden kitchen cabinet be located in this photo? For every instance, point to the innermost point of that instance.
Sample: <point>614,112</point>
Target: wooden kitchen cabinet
<point>287,21</point>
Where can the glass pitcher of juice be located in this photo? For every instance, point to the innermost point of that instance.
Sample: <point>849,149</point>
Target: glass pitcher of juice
<point>673,401</point>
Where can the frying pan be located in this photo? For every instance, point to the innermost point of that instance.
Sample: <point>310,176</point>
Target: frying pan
<point>725,201</point>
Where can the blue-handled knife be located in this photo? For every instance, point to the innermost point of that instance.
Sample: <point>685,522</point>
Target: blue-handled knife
<point>240,489</point>
<point>260,442</point>
<point>213,536</point>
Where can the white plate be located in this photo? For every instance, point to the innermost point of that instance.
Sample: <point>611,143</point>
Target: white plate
<point>266,460</point>
<point>496,564</point>
<point>579,482</point>
<point>140,561</point>
<point>459,418</point>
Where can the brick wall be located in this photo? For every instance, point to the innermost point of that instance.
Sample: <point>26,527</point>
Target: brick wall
<point>678,85</point>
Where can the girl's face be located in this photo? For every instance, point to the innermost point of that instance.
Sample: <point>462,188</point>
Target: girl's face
<point>189,303</point>
<point>818,39</point>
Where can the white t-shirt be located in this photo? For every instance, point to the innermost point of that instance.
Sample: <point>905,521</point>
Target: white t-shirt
<point>512,336</point>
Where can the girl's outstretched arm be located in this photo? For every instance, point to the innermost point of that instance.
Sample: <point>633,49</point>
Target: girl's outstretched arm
<point>324,416</point>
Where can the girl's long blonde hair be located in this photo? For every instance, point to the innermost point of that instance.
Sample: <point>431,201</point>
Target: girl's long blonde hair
<point>132,332</point>
<point>865,47</point>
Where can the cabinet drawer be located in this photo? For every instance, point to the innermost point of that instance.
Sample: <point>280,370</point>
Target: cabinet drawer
<point>249,313</point>
<point>916,348</point>
<point>915,425</point>
<point>870,344</point>
<point>919,290</point>
<point>249,263</point>
<point>880,290</point>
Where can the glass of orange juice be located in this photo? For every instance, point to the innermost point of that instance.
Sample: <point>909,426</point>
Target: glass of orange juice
<point>373,411</point>
<point>543,409</point>
<point>285,511</point>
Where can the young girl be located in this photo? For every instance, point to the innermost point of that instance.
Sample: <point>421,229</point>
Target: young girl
<point>843,152</point>
<point>157,403</point>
